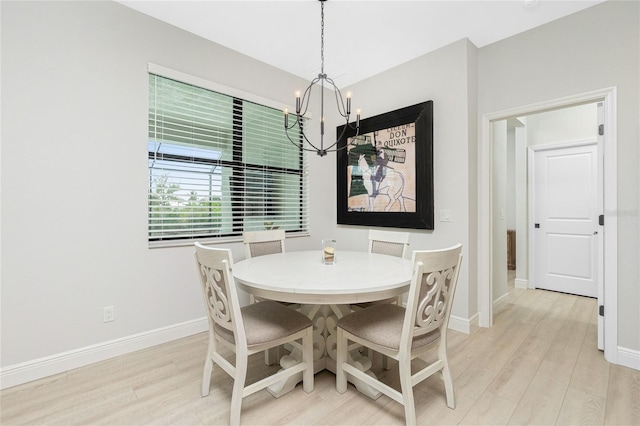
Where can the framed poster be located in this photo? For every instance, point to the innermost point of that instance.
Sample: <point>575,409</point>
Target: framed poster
<point>385,172</point>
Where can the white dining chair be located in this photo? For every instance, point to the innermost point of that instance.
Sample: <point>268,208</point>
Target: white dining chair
<point>246,331</point>
<point>389,242</point>
<point>404,334</point>
<point>260,243</point>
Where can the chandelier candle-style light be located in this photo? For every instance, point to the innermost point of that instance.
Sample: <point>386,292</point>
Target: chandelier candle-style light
<point>302,104</point>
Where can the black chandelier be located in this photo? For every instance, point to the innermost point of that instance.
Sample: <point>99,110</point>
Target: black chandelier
<point>302,104</point>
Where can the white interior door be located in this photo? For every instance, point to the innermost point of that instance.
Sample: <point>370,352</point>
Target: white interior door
<point>565,232</point>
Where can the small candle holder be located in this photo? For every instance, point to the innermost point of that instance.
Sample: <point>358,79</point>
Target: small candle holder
<point>329,252</point>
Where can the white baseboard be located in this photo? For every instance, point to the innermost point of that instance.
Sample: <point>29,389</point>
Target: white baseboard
<point>521,283</point>
<point>464,325</point>
<point>500,303</point>
<point>43,367</point>
<point>629,358</point>
<point>17,374</point>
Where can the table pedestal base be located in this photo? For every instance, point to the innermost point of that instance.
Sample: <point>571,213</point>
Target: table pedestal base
<point>325,320</point>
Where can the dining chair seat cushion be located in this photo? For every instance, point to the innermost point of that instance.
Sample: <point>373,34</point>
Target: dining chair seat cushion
<point>382,325</point>
<point>266,321</point>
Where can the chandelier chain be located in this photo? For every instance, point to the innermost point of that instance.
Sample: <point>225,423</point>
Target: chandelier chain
<point>322,37</point>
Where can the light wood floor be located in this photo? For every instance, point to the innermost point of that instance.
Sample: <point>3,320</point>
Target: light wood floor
<point>538,365</point>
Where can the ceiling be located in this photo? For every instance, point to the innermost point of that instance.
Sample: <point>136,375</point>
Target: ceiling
<point>362,37</point>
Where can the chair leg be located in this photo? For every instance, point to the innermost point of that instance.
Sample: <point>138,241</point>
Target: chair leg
<point>341,359</point>
<point>446,373</point>
<point>307,357</point>
<point>385,363</point>
<point>448,386</point>
<point>407,392</point>
<point>272,356</point>
<point>238,387</point>
<point>206,376</point>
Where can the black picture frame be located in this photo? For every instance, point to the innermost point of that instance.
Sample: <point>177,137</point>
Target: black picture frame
<point>386,139</point>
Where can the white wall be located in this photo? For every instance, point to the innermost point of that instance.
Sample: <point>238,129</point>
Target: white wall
<point>577,123</point>
<point>521,211</point>
<point>499,207</point>
<point>447,77</point>
<point>594,49</point>
<point>74,174</point>
<point>73,165</point>
<point>511,177</point>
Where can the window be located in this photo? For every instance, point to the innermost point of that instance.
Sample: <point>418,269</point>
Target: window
<point>219,165</point>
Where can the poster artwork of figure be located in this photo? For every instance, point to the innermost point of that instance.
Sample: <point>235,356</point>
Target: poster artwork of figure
<point>381,171</point>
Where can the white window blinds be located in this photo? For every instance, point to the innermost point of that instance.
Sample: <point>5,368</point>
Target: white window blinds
<point>219,165</point>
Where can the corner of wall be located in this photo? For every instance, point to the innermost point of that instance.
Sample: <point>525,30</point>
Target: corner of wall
<point>473,132</point>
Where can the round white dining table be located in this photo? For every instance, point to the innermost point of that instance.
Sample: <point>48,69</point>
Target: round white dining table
<point>301,277</point>
<point>324,293</point>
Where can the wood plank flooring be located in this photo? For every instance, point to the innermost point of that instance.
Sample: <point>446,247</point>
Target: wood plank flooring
<point>538,365</point>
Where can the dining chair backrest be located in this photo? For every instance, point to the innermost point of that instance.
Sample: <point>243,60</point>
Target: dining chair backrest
<point>388,242</point>
<point>260,243</point>
<point>433,286</point>
<point>219,291</point>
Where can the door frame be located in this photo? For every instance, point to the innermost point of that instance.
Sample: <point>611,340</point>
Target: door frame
<point>608,96</point>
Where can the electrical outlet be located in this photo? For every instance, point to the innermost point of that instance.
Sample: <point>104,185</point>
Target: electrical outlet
<point>108,315</point>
